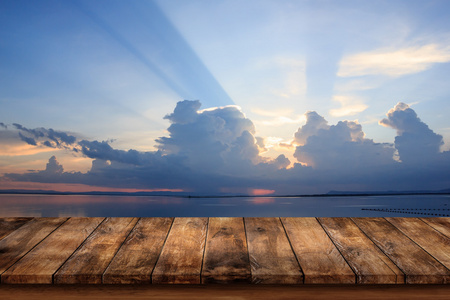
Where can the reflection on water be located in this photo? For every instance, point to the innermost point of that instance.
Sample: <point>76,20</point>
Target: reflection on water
<point>155,206</point>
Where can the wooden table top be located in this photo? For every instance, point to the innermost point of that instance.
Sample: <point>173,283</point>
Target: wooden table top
<point>225,250</point>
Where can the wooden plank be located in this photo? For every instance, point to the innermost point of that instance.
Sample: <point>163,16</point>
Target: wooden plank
<point>181,258</point>
<point>8,225</point>
<point>440,224</point>
<point>418,266</point>
<point>39,265</point>
<point>432,241</point>
<point>369,263</point>
<point>226,255</point>
<point>19,242</point>
<point>271,258</point>
<point>137,257</point>
<point>88,263</point>
<point>319,258</point>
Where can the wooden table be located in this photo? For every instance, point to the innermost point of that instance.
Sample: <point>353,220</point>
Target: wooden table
<point>276,251</point>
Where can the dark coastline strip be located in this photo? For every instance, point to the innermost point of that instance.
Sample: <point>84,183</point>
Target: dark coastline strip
<point>409,211</point>
<point>186,195</point>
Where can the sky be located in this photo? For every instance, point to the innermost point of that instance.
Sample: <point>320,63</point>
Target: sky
<point>255,97</point>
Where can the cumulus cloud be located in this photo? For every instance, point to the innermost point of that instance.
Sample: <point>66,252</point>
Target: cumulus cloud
<point>340,146</point>
<point>216,139</point>
<point>53,173</point>
<point>415,141</point>
<point>214,150</point>
<point>314,123</point>
<point>53,166</point>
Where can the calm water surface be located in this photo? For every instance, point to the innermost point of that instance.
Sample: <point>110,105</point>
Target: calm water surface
<point>155,206</point>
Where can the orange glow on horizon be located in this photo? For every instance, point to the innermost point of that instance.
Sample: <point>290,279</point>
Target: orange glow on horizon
<point>67,187</point>
<point>261,192</point>
<point>23,149</point>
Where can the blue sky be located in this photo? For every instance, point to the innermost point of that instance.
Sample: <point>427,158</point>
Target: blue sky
<point>110,74</point>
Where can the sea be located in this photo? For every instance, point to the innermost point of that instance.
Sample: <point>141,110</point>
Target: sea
<point>39,205</point>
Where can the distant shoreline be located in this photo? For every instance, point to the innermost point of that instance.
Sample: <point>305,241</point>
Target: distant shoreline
<point>187,195</point>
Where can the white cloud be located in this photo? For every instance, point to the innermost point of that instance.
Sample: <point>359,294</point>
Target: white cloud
<point>282,120</point>
<point>393,62</point>
<point>350,105</point>
<point>340,147</point>
<point>415,141</point>
<point>345,85</point>
<point>314,123</point>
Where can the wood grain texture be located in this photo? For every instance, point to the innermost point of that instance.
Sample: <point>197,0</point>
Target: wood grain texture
<point>137,257</point>
<point>226,255</point>
<point>319,258</point>
<point>440,224</point>
<point>272,260</point>
<point>369,263</point>
<point>182,255</point>
<point>418,266</point>
<point>22,240</point>
<point>226,250</point>
<point>432,241</point>
<point>39,265</point>
<point>8,225</point>
<point>87,264</point>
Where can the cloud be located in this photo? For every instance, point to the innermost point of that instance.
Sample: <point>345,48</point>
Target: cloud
<point>415,141</point>
<point>3,125</point>
<point>48,137</point>
<point>53,167</point>
<point>393,63</point>
<point>339,147</point>
<point>314,123</point>
<point>214,150</point>
<point>11,145</point>
<point>211,139</point>
<point>282,120</point>
<point>103,150</point>
<point>350,106</point>
<point>28,140</point>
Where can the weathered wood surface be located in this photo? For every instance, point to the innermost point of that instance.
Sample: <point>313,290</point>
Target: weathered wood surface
<point>418,266</point>
<point>432,241</point>
<point>181,258</point>
<point>39,265</point>
<point>137,257</point>
<point>226,255</point>
<point>89,262</point>
<point>319,258</point>
<point>369,263</point>
<point>225,250</point>
<point>8,225</point>
<point>440,224</point>
<point>22,240</point>
<point>271,258</point>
